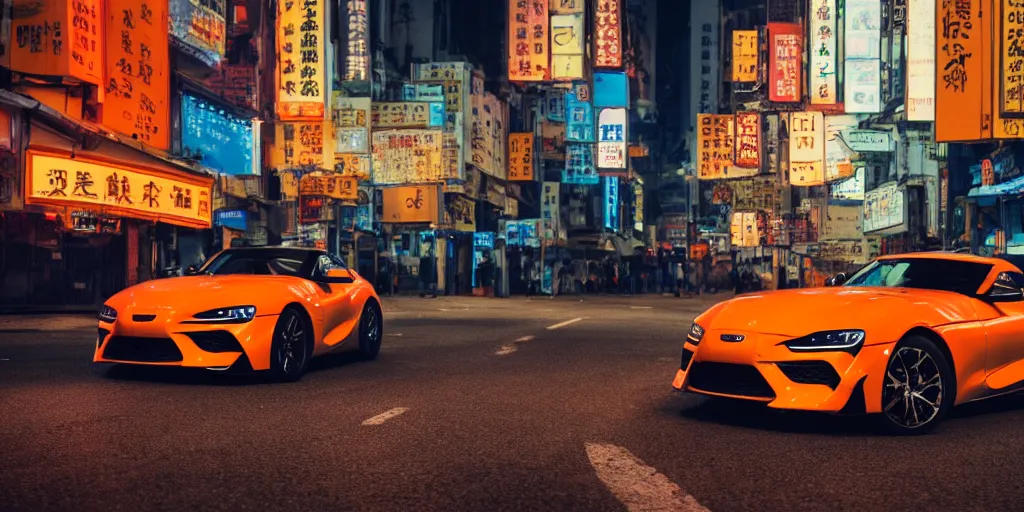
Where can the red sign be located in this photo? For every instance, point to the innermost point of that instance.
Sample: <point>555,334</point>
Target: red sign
<point>748,140</point>
<point>988,173</point>
<point>785,61</point>
<point>608,34</point>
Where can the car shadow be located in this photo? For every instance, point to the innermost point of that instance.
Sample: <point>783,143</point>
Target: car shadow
<point>756,416</point>
<point>997,405</point>
<point>178,375</point>
<point>333,361</point>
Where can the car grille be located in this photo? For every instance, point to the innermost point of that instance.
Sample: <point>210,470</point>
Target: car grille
<point>810,372</point>
<point>215,341</point>
<point>142,350</point>
<point>729,379</point>
<point>687,356</point>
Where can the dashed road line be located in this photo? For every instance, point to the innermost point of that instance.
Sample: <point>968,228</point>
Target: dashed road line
<point>563,324</point>
<point>384,416</point>
<point>641,307</point>
<point>511,347</point>
<point>394,334</point>
<point>635,484</point>
<point>524,339</point>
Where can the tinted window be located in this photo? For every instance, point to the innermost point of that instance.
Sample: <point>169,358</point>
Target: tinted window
<point>925,273</point>
<point>288,262</point>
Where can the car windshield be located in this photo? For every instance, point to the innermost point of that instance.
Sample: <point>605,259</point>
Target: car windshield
<point>964,277</point>
<point>286,262</point>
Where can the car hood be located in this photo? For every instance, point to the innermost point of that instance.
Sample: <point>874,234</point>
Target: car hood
<point>803,311</point>
<point>197,293</point>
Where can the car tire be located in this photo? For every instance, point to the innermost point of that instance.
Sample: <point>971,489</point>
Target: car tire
<point>290,348</point>
<point>919,387</point>
<point>371,330</point>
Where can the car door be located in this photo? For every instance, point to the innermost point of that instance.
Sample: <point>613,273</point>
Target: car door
<point>335,301</point>
<point>1004,357</point>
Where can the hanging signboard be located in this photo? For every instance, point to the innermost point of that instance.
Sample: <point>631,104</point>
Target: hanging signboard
<point>412,204</point>
<point>714,145</point>
<point>863,29</point>
<point>823,52</point>
<point>553,106</point>
<point>959,64</point>
<point>199,28</point>
<point>301,57</point>
<point>520,157</point>
<point>460,214</point>
<point>757,193</point>
<point>407,156</point>
<point>424,92</point>
<point>357,56</point>
<point>806,148</point>
<point>1011,52</point>
<point>748,140</point>
<point>1004,125</point>
<point>744,55</point>
<point>138,90</point>
<point>549,210</point>
<point>216,138</point>
<point>329,185</point>
<point>351,118</point>
<point>611,203</point>
<point>528,40</point>
<point>611,89</point>
<point>579,116</point>
<point>743,229</point>
<point>407,114</point>
<point>579,165</point>
<point>567,6</point>
<point>921,60</point>
<point>237,84</point>
<point>785,62</point>
<point>612,141</point>
<point>884,208</point>
<point>863,80</point>
<point>837,157</point>
<point>608,34</point>
<point>301,144</point>
<point>567,46</point>
<point>121,190</point>
<point>57,37</point>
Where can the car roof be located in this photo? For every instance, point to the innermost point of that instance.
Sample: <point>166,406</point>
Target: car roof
<point>952,256</point>
<point>275,248</point>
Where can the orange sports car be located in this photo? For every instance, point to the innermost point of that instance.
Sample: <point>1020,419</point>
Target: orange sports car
<point>265,308</point>
<point>907,337</point>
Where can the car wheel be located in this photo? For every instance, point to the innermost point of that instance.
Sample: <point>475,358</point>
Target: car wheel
<point>290,348</point>
<point>919,387</point>
<point>371,330</point>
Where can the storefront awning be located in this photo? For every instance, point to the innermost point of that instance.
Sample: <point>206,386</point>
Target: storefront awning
<point>1012,187</point>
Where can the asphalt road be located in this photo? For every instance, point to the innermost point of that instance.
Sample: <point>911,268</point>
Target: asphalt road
<point>576,417</point>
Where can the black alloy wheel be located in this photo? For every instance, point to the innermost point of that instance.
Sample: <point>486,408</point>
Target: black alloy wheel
<point>371,330</point>
<point>290,349</point>
<point>919,387</point>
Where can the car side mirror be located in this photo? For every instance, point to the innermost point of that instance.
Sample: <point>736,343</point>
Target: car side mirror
<point>836,280</point>
<point>1003,293</point>
<point>339,275</point>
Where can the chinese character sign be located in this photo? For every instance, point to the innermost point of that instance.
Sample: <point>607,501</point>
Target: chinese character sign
<point>300,65</point>
<point>567,6</point>
<point>199,28</point>
<point>329,185</point>
<point>579,114</point>
<point>744,56</point>
<point>748,140</point>
<point>958,64</point>
<point>301,144</point>
<point>132,192</point>
<point>528,40</point>
<point>611,202</point>
<point>567,46</point>
<point>520,157</point>
<point>714,145</point>
<point>58,38</point>
<point>357,58</point>
<point>1011,76</point>
<point>579,165</point>
<point>785,65</point>
<point>419,203</point>
<point>806,148</point>
<point>407,156</point>
<point>138,83</point>
<point>351,117</point>
<point>608,34</point>
<point>823,52</point>
<point>406,114</point>
<point>549,210</point>
<point>611,138</point>
<point>1008,124</point>
<point>921,60</point>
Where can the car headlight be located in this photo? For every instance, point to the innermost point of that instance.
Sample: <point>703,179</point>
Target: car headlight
<point>108,314</point>
<point>696,334</point>
<point>232,315</point>
<point>838,341</point>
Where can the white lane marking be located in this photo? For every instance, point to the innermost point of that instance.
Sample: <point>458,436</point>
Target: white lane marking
<point>524,339</point>
<point>4,359</point>
<point>505,350</point>
<point>394,334</point>
<point>637,485</point>
<point>641,307</point>
<point>384,416</point>
<point>563,324</point>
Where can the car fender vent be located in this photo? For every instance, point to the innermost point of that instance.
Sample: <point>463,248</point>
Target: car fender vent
<point>810,372</point>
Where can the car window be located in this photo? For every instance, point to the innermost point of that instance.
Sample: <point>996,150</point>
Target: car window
<point>259,262</point>
<point>964,277</point>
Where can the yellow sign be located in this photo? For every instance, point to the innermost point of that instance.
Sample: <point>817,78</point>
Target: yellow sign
<point>567,46</point>
<point>806,174</point>
<point>401,114</point>
<point>301,144</point>
<point>520,157</point>
<point>357,166</point>
<point>329,185</point>
<point>460,213</point>
<point>714,145</point>
<point>408,156</point>
<point>744,56</point>
<point>113,188</point>
<point>301,57</point>
<point>351,124</point>
<point>743,229</point>
<point>527,41</point>
<point>416,204</point>
<point>567,6</point>
<point>57,38</point>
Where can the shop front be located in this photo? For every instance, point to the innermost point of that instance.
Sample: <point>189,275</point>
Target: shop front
<point>410,218</point>
<point>91,222</point>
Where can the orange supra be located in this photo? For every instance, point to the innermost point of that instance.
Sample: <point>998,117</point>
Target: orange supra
<point>266,308</point>
<point>906,338</point>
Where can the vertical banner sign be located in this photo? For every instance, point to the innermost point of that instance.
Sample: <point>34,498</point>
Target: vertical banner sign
<point>958,64</point>
<point>608,34</point>
<point>823,52</point>
<point>528,40</point>
<point>579,165</point>
<point>863,66</point>
<point>357,58</point>
<point>300,59</point>
<point>863,85</point>
<point>1011,63</point>
<point>520,157</point>
<point>56,38</point>
<point>351,120</point>
<point>567,46</point>
<point>612,142</point>
<point>567,6</point>
<point>921,60</point>
<point>714,145</point>
<point>549,210</point>
<point>1008,124</point>
<point>579,114</point>
<point>744,56</point>
<point>748,140</point>
<point>806,149</point>
<point>611,203</point>
<point>864,28</point>
<point>300,144</point>
<point>138,89</point>
<point>785,62</point>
